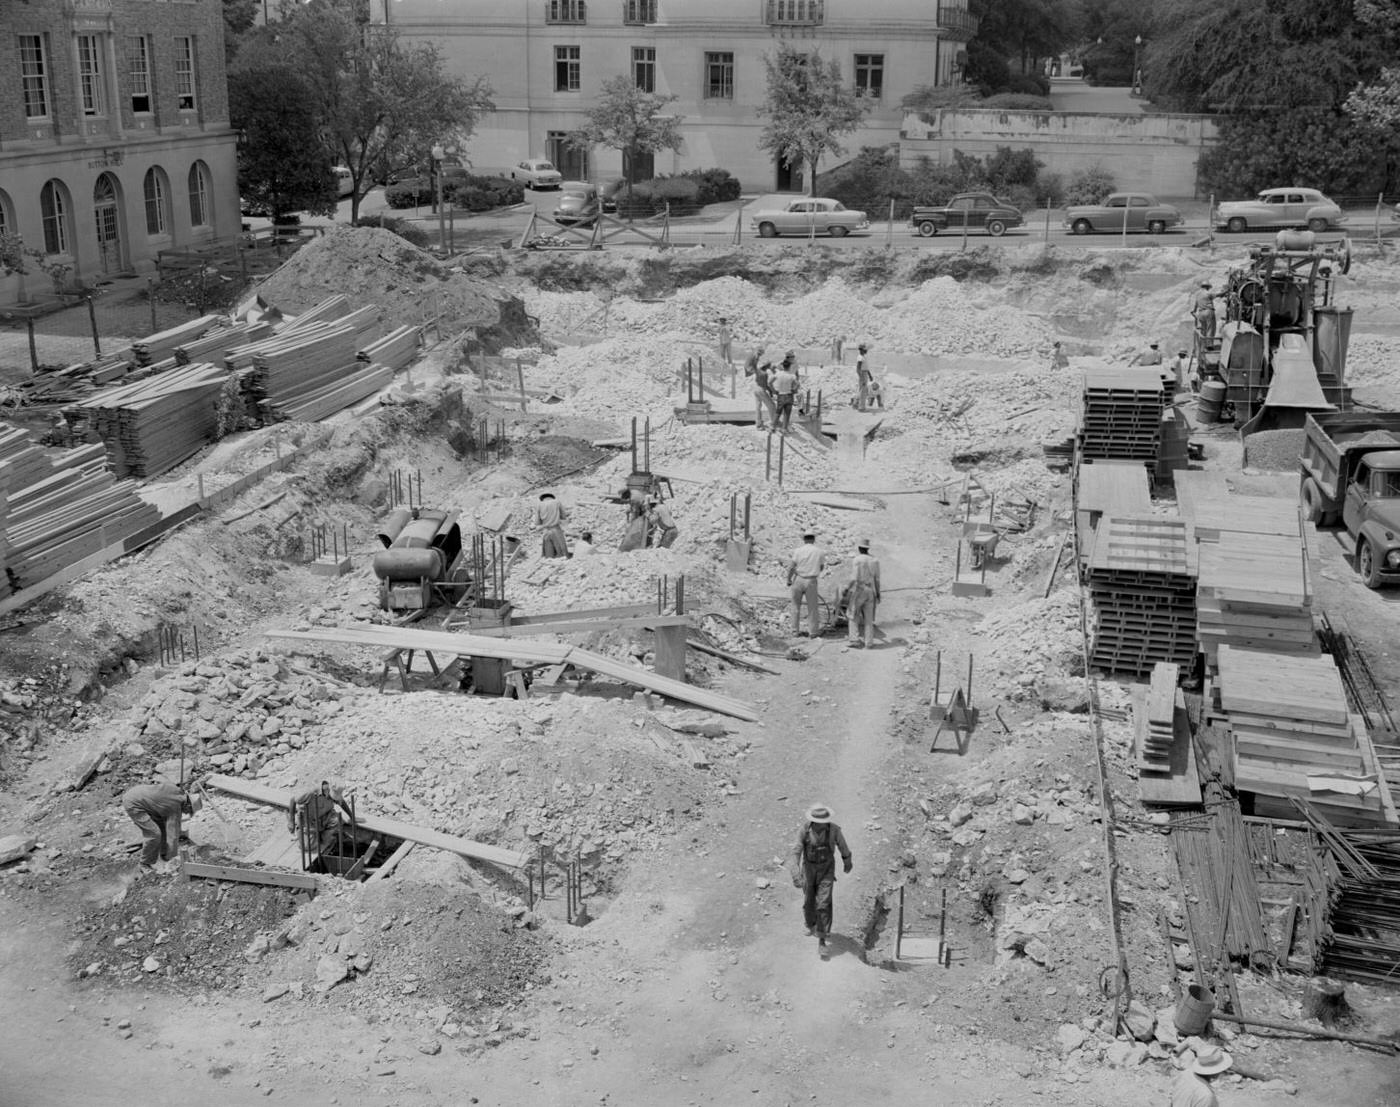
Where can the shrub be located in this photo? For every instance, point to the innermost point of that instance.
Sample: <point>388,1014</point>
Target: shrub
<point>716,185</point>
<point>681,193</point>
<point>481,193</point>
<point>1324,148</point>
<point>1016,101</point>
<point>642,204</point>
<point>409,194</point>
<point>1111,75</point>
<point>1049,190</point>
<point>1007,168</point>
<point>1029,84</point>
<point>869,181</point>
<point>401,227</point>
<point>1089,186</point>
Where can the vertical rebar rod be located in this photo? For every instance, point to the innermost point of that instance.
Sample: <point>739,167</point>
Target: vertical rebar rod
<point>937,674</point>
<point>646,445</point>
<point>969,674</point>
<point>768,459</point>
<point>899,925</point>
<point>782,451</point>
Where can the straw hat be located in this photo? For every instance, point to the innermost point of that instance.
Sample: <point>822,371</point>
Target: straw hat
<point>809,534</point>
<point>1210,1061</point>
<point>819,813</point>
<point>863,544</point>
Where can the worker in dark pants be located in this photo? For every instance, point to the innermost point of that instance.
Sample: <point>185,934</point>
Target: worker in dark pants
<point>814,868</point>
<point>157,809</point>
<point>318,809</point>
<point>663,526</point>
<point>550,516</point>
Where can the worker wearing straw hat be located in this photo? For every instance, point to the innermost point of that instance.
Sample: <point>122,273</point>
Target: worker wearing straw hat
<point>1192,1086</point>
<point>863,596</point>
<point>814,868</point>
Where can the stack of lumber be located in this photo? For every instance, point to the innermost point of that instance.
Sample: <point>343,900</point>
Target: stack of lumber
<point>213,346</point>
<point>1122,415</point>
<point>1174,437</point>
<point>152,425</point>
<point>1111,488</point>
<point>348,388</point>
<point>329,310</point>
<point>1144,593</point>
<point>1058,450</point>
<point>1294,736</point>
<point>62,506</point>
<point>1154,752</point>
<point>162,344</point>
<point>396,349</point>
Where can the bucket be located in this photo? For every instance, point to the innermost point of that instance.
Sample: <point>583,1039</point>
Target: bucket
<point>1193,1010</point>
<point>1208,402</point>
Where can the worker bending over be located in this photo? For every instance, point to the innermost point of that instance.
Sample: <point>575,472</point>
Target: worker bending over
<point>550,515</point>
<point>662,524</point>
<point>805,565</point>
<point>157,808</point>
<point>863,597</point>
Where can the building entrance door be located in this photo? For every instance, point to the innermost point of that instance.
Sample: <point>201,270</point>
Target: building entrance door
<point>789,175</point>
<point>109,236</point>
<point>571,161</point>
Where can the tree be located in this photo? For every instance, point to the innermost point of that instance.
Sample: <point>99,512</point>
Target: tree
<point>808,109</point>
<point>629,119</point>
<point>1022,29</point>
<point>378,102</point>
<point>282,164</point>
<point>239,17</point>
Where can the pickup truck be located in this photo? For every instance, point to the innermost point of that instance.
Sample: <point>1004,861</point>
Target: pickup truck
<point>1350,471</point>
<point>979,210</point>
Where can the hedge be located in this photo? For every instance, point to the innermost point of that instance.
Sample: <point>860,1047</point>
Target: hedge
<point>469,192</point>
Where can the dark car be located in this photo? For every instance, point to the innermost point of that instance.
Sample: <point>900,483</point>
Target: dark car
<point>973,210</point>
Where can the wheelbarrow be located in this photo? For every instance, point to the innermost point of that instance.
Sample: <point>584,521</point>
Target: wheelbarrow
<point>982,539</point>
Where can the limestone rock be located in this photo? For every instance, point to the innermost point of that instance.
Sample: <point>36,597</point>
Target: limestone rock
<point>1069,1038</point>
<point>1140,1021</point>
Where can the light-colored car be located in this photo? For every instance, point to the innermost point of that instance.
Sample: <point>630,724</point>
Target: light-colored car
<point>1141,210</point>
<point>579,203</point>
<point>344,182</point>
<point>536,173</point>
<point>808,215</point>
<point>1280,207</point>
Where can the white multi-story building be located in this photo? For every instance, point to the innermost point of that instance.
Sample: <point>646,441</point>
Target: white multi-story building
<point>546,61</point>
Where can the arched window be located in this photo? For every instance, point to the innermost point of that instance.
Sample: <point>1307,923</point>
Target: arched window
<point>53,208</point>
<point>200,213</point>
<point>157,190</point>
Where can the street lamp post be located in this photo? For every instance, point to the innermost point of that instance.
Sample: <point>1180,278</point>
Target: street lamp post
<point>1137,66</point>
<point>439,154</point>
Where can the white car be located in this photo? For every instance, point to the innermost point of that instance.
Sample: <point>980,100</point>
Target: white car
<point>808,215</point>
<point>344,181</point>
<point>536,173</point>
<point>1280,207</point>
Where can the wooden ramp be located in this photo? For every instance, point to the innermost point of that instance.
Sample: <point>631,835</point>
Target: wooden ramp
<point>463,847</point>
<point>545,653</point>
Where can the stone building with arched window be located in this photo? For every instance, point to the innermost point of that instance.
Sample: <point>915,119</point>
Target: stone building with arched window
<point>114,135</point>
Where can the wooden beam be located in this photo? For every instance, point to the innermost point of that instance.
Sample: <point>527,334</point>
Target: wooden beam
<point>584,626</point>
<point>300,881</point>
<point>381,873</point>
<point>463,847</point>
<point>550,653</point>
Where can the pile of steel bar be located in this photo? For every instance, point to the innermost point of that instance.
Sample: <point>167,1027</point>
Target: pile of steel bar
<point>159,346</point>
<point>151,425</point>
<point>61,507</point>
<point>396,349</point>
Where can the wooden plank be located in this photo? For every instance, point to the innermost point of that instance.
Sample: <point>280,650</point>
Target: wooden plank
<point>279,851</point>
<point>548,653</point>
<point>464,847</point>
<point>301,881</point>
<point>584,626</point>
<point>1180,786</point>
<point>392,862</point>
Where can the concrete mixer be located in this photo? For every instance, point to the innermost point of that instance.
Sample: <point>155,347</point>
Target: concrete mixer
<point>421,559</point>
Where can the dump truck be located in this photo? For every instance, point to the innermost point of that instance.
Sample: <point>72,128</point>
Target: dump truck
<point>1350,473</point>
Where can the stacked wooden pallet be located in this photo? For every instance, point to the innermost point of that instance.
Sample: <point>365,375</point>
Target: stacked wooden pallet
<point>1294,736</point>
<point>1111,488</point>
<point>396,349</point>
<point>62,506</point>
<point>151,425</point>
<point>1144,592</point>
<point>1122,415</point>
<point>1174,443</point>
<point>162,344</point>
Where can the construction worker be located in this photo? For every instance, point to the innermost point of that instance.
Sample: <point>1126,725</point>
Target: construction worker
<point>663,526</point>
<point>157,808</point>
<point>550,515</point>
<point>1192,1087</point>
<point>814,868</point>
<point>1058,358</point>
<point>863,378</point>
<point>1203,310</point>
<point>1180,366</point>
<point>317,807</point>
<point>784,384</point>
<point>875,395</point>
<point>584,545</point>
<point>1150,356</point>
<point>803,568</point>
<point>725,340</point>
<point>863,596</point>
<point>838,349</point>
<point>762,388</point>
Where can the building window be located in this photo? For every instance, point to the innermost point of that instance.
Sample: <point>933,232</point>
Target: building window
<point>870,75</point>
<point>53,210</point>
<point>138,73</point>
<point>34,76</point>
<point>639,11</point>
<point>807,12</point>
<point>184,72</point>
<point>644,67</point>
<point>156,203</point>
<point>200,215</point>
<point>566,11</point>
<point>90,74</point>
<point>567,69</point>
<point>719,76</point>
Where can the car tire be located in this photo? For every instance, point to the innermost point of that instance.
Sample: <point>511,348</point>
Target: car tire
<point>928,228</point>
<point>1237,225</point>
<point>1317,225</point>
<point>996,228</point>
<point>1082,226</point>
<point>1156,226</point>
<point>838,231</point>
<point>1368,563</point>
<point>1310,497</point>
<point>767,230</point>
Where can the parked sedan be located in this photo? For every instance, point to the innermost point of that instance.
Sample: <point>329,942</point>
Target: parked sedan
<point>536,173</point>
<point>1280,207</point>
<point>579,204</point>
<point>973,210</point>
<point>1140,209</point>
<point>808,215</point>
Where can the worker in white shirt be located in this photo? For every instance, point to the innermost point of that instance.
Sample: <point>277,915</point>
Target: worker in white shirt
<point>805,565</point>
<point>583,545</point>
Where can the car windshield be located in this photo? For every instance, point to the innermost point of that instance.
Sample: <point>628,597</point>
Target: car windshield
<point>543,165</point>
<point>1388,485</point>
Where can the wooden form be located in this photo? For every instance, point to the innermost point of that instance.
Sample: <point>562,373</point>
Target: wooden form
<point>464,847</point>
<point>1111,488</point>
<point>547,653</point>
<point>304,882</point>
<point>1144,593</point>
<point>1122,415</point>
<point>1170,777</point>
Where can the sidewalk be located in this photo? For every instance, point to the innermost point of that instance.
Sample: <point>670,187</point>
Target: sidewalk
<point>1073,94</point>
